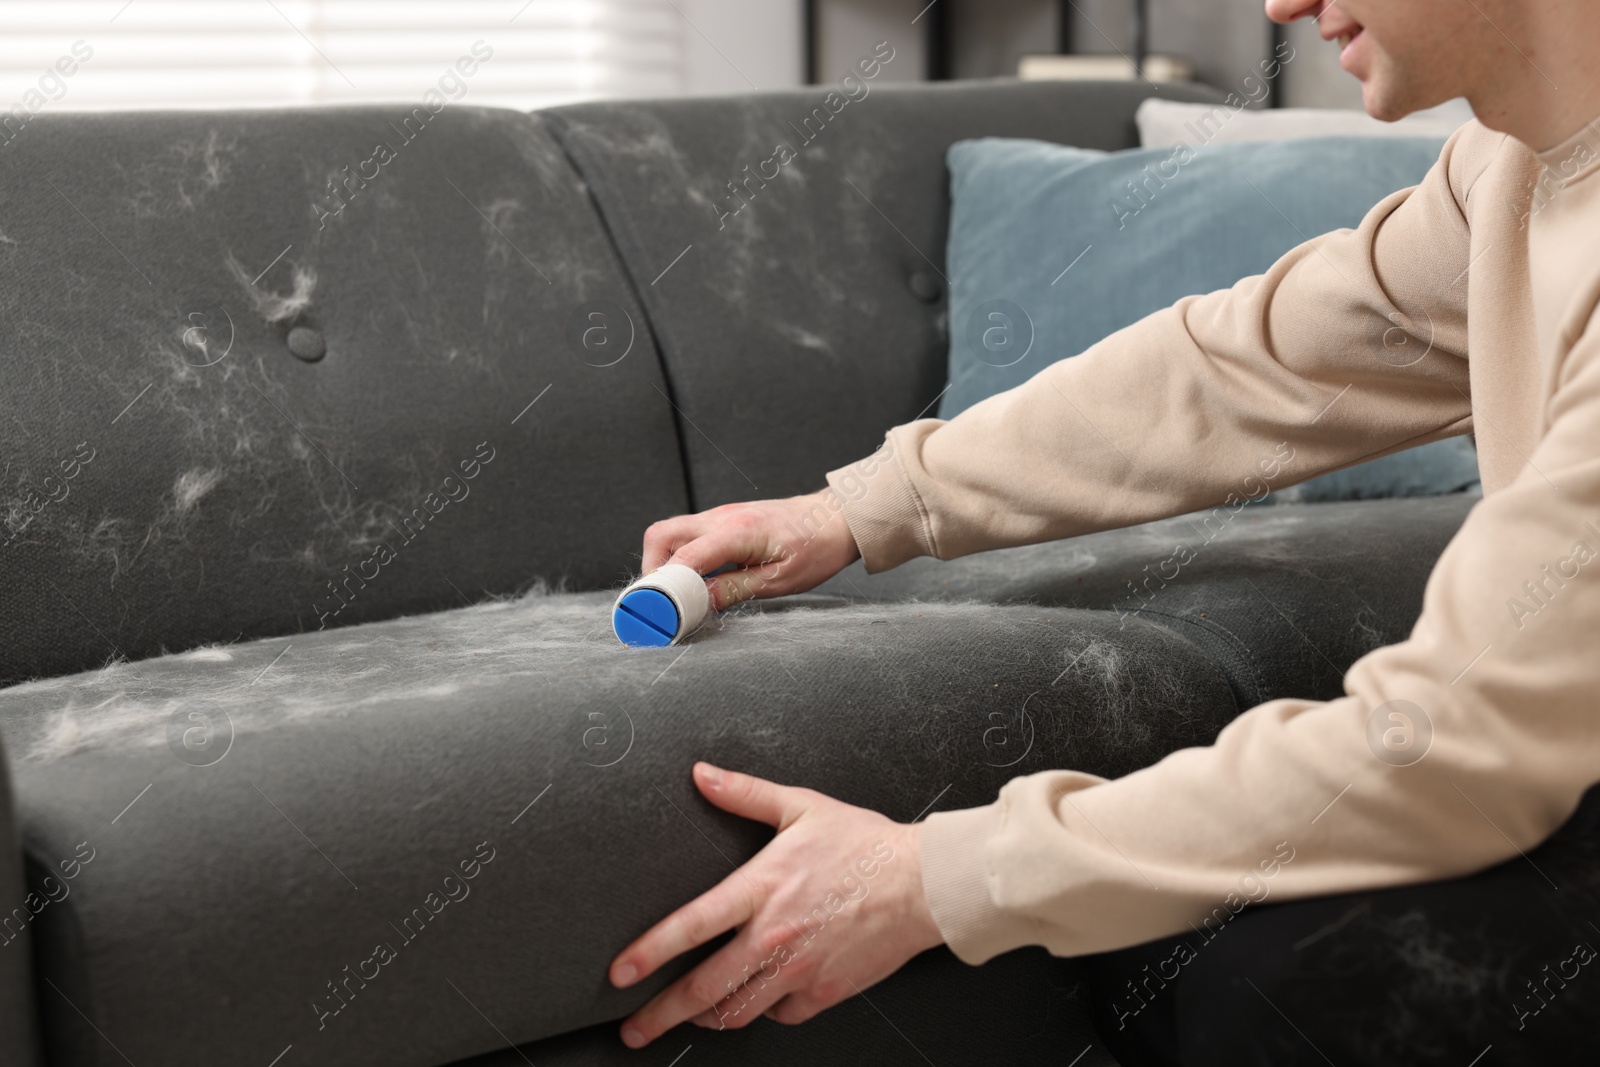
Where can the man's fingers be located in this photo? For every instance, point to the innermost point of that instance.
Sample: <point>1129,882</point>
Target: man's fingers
<point>730,903</point>
<point>715,549</point>
<point>797,1008</point>
<point>766,579</point>
<point>735,587</point>
<point>749,797</point>
<point>662,539</point>
<point>730,990</point>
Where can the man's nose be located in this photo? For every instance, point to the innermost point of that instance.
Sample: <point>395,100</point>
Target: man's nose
<point>1287,11</point>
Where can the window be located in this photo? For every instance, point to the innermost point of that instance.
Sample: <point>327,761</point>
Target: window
<point>271,53</point>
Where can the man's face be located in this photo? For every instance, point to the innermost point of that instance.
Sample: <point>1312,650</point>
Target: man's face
<point>1408,54</point>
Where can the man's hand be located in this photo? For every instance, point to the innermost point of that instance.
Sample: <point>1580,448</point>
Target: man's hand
<point>780,546</point>
<point>832,905</point>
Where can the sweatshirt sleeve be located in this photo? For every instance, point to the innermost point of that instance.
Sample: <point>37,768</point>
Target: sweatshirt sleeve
<point>1350,347</point>
<point>1460,747</point>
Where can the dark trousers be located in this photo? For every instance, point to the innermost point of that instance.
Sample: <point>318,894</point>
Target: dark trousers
<point>1496,969</point>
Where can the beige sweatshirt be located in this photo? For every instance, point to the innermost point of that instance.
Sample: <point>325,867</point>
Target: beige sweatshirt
<point>1354,345</point>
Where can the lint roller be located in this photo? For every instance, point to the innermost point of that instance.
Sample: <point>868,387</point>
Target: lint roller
<point>661,608</point>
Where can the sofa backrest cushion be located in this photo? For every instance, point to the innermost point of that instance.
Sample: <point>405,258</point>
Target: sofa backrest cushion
<point>272,371</point>
<point>790,250</point>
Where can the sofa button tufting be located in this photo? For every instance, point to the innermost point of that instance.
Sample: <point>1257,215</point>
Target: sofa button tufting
<point>307,343</point>
<point>923,287</point>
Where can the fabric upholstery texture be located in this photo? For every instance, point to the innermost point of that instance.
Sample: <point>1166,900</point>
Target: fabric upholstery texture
<point>1282,598</point>
<point>155,264</point>
<point>1022,1008</point>
<point>306,795</point>
<point>799,328</point>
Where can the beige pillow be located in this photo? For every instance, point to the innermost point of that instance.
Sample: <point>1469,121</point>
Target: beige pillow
<point>1166,123</point>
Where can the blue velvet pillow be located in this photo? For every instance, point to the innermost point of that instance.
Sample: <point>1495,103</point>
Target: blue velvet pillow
<point>1054,248</point>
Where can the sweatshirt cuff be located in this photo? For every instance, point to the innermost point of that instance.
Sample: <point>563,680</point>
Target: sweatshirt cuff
<point>955,881</point>
<point>882,508</point>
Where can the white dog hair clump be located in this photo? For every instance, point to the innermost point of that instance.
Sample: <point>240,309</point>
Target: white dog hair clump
<point>275,307</point>
<point>261,684</point>
<point>559,647</point>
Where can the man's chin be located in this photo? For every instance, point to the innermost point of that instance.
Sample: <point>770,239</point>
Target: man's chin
<point>1383,103</point>
<point>1384,111</point>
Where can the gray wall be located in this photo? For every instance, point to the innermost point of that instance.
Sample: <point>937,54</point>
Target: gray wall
<point>1225,39</point>
<point>847,30</point>
<point>988,37</point>
<point>730,45</point>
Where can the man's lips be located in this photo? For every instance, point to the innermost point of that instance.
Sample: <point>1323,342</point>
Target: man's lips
<point>1336,26</point>
<point>1349,43</point>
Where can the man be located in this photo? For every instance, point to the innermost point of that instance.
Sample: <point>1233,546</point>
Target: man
<point>1490,267</point>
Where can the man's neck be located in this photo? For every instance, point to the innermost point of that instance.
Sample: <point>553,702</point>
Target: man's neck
<point>1546,86</point>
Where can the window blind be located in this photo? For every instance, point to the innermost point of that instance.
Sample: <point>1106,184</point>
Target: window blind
<point>272,53</point>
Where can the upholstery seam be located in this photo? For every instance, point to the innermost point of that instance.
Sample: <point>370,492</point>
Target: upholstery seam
<point>1259,695</point>
<point>565,137</point>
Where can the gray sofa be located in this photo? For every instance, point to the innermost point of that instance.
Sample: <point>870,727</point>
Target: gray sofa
<point>320,470</point>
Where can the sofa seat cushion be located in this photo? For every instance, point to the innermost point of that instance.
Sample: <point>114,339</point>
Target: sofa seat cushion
<point>1022,1009</point>
<point>1284,598</point>
<point>364,842</point>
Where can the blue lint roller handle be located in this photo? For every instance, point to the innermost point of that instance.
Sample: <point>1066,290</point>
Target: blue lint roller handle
<point>661,608</point>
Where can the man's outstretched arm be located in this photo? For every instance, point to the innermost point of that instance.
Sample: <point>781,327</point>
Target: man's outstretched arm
<point>1472,740</point>
<point>1350,347</point>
